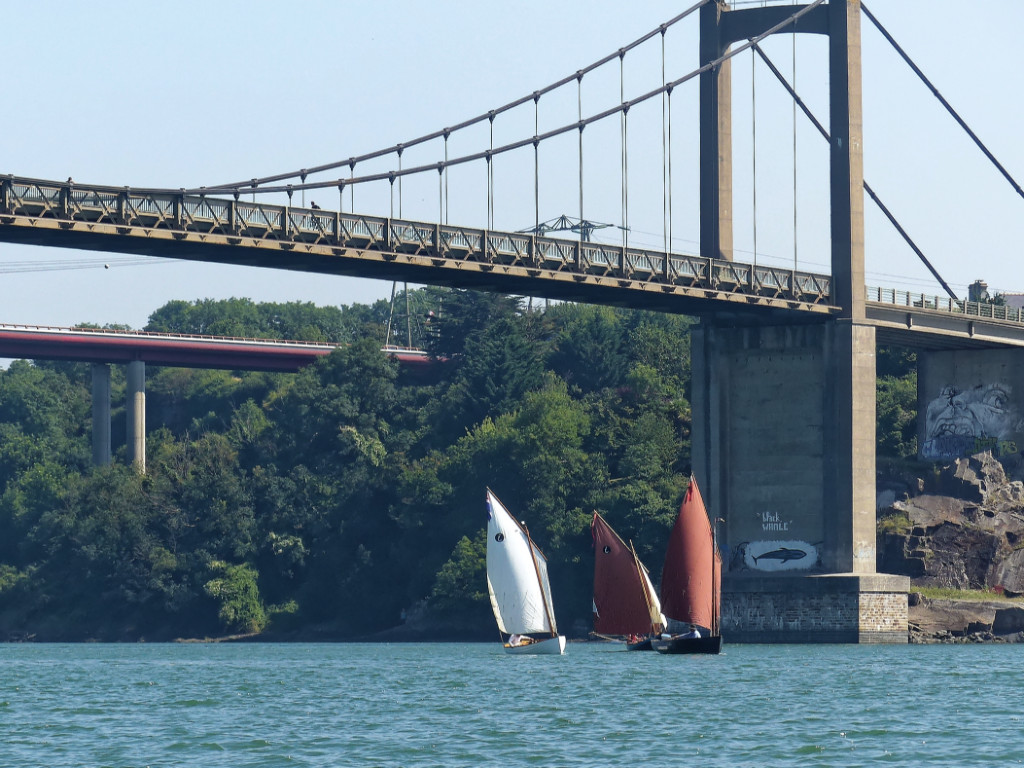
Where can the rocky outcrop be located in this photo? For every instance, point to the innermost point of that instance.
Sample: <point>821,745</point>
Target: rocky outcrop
<point>961,528</point>
<point>967,533</point>
<point>964,621</point>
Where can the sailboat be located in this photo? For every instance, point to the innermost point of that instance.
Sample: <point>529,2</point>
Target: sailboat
<point>624,599</point>
<point>517,582</point>
<point>691,580</point>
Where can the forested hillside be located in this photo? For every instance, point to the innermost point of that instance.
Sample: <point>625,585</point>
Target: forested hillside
<point>332,502</point>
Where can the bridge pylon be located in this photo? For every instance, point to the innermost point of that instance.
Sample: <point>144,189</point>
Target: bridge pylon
<point>784,432</point>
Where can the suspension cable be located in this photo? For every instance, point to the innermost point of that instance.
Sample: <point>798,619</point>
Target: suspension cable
<point>536,163</point>
<point>753,140</point>
<point>625,162</point>
<point>795,231</point>
<point>664,151</point>
<point>867,188</point>
<point>472,121</point>
<point>582,125</point>
<point>942,100</point>
<point>490,180</point>
<point>583,122</point>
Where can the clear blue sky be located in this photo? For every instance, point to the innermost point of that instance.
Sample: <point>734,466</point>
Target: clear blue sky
<point>189,93</point>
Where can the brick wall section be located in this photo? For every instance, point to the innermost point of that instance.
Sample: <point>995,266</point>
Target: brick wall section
<point>844,608</point>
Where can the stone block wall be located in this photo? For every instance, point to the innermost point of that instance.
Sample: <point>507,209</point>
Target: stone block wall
<point>846,608</point>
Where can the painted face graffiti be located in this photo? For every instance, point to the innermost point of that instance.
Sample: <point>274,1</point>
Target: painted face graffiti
<point>960,422</point>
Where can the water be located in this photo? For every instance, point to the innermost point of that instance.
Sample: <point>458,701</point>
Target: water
<point>471,705</point>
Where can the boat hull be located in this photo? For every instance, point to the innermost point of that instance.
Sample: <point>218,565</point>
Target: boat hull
<point>553,646</point>
<point>712,644</point>
<point>640,645</point>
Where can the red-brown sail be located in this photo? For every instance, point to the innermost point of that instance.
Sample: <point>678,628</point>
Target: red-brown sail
<point>691,577</point>
<point>622,605</point>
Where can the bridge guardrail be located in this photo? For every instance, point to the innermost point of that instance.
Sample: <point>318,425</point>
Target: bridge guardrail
<point>70,201</point>
<point>945,304</point>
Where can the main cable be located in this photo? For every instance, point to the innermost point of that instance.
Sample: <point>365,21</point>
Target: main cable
<point>472,121</point>
<point>582,123</point>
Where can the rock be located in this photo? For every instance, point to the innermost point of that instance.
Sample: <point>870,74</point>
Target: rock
<point>964,538</point>
<point>1008,621</point>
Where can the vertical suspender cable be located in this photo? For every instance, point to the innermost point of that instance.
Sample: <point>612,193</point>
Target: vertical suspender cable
<point>352,187</point>
<point>579,109</point>
<point>622,122</point>
<point>670,245</point>
<point>580,114</point>
<point>753,149</point>
<point>795,247</point>
<point>664,153</point>
<point>447,133</point>
<point>490,177</point>
<point>536,163</point>
<point>399,181</point>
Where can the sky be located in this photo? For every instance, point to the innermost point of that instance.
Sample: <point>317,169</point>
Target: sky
<point>193,93</point>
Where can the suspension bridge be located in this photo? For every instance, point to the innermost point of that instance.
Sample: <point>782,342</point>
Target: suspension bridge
<point>783,361</point>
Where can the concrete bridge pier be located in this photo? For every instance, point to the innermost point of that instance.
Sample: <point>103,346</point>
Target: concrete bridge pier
<point>101,414</point>
<point>135,412</point>
<point>784,450</point>
<point>135,407</point>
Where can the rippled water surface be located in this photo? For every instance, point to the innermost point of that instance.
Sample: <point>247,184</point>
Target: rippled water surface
<point>471,705</point>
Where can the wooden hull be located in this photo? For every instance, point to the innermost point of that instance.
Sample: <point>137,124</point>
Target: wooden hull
<point>712,644</point>
<point>640,645</point>
<point>554,646</point>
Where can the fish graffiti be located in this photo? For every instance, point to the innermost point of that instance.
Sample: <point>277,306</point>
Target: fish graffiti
<point>767,555</point>
<point>783,555</point>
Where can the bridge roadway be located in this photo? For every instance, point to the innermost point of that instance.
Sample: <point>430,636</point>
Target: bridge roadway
<point>167,224</point>
<point>91,345</point>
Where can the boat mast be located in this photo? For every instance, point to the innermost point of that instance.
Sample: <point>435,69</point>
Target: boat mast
<point>540,582</point>
<point>715,592</point>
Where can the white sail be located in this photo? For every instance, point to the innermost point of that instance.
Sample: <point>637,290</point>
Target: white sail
<point>517,594</point>
<point>657,617</point>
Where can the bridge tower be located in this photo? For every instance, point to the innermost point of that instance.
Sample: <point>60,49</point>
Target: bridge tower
<point>784,433</point>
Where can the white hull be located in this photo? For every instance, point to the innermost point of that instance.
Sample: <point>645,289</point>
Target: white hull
<point>551,646</point>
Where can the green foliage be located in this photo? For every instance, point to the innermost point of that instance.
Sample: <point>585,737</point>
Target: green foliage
<point>461,581</point>
<point>238,596</point>
<point>330,500</point>
<point>896,404</point>
<point>897,524</point>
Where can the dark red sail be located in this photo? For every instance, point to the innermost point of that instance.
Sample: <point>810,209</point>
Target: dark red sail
<point>624,602</point>
<point>691,577</point>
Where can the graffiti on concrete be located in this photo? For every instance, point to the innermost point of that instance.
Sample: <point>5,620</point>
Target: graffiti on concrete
<point>962,422</point>
<point>777,555</point>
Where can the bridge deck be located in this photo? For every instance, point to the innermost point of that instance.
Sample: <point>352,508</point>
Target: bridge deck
<point>175,225</point>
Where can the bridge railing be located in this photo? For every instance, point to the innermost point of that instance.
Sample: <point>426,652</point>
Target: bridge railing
<point>945,304</point>
<point>121,207</point>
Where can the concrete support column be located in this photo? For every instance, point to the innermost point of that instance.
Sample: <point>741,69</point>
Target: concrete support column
<point>100,414</point>
<point>849,449</point>
<point>715,138</point>
<point>136,415</point>
<point>846,158</point>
